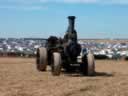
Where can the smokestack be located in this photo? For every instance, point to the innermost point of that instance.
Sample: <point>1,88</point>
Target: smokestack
<point>71,23</point>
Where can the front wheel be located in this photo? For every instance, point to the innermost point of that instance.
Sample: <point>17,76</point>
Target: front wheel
<point>88,65</point>
<point>56,64</point>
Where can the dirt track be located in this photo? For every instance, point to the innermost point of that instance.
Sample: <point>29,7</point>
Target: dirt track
<point>19,77</point>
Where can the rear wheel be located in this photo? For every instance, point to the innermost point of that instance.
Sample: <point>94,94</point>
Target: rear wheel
<point>41,59</point>
<point>56,64</point>
<point>88,65</point>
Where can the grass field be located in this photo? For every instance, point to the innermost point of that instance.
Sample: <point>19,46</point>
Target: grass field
<point>19,77</point>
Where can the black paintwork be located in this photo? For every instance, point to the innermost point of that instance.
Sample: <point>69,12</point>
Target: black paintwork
<point>67,46</point>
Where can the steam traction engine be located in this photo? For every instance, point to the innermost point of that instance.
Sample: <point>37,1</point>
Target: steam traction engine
<point>65,53</point>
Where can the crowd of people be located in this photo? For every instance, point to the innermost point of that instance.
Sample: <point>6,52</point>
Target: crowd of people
<point>20,47</point>
<point>28,46</point>
<point>109,50</point>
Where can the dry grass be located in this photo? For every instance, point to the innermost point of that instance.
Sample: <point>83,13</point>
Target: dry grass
<point>19,77</point>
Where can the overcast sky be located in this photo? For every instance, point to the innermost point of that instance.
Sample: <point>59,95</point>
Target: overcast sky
<point>41,18</point>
